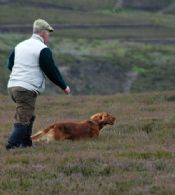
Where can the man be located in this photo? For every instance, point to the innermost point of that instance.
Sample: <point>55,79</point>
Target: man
<point>28,62</point>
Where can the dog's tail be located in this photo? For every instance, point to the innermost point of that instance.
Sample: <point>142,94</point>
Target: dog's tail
<point>40,135</point>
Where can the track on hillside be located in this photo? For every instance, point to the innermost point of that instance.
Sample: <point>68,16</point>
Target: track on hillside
<point>27,28</point>
<point>18,28</point>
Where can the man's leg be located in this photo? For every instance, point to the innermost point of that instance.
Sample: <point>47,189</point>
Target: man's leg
<point>26,141</point>
<point>24,117</point>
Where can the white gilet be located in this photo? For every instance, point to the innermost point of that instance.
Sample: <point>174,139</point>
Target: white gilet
<point>26,71</point>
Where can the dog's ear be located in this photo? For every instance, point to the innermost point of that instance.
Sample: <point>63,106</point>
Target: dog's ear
<point>95,116</point>
<point>103,116</point>
<point>99,117</point>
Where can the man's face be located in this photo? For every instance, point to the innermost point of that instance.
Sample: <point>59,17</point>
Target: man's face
<point>45,36</point>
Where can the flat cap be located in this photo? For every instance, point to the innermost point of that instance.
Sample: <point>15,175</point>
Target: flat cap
<point>41,24</point>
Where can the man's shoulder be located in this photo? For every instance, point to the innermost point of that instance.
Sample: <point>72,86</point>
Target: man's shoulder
<point>35,44</point>
<point>22,42</point>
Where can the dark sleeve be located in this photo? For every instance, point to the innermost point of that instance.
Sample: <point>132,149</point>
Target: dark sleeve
<point>47,65</point>
<point>11,60</point>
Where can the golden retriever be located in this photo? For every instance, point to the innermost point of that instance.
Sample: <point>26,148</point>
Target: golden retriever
<point>75,130</point>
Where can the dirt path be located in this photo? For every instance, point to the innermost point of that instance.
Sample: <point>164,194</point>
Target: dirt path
<point>130,78</point>
<point>27,27</point>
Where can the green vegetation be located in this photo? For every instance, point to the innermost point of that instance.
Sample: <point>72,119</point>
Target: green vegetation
<point>15,14</point>
<point>80,4</point>
<point>154,64</point>
<point>103,49</point>
<point>131,48</point>
<point>135,156</point>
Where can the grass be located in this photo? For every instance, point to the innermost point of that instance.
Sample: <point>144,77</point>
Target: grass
<point>121,57</point>
<point>56,16</point>
<point>115,49</point>
<point>135,156</point>
<point>15,14</point>
<point>83,5</point>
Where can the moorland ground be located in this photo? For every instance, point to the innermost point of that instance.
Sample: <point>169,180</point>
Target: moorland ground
<point>135,156</point>
<point>100,49</point>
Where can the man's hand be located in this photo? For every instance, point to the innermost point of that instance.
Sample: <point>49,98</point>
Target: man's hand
<point>67,90</point>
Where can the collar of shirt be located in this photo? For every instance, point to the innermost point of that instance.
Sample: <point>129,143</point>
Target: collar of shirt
<point>38,37</point>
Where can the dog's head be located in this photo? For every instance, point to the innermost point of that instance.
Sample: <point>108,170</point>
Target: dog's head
<point>103,118</point>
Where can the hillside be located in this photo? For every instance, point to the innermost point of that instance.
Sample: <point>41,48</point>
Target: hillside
<point>148,5</point>
<point>101,47</point>
<point>135,156</point>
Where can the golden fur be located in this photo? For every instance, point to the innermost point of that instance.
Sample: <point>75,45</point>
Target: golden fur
<point>75,130</point>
